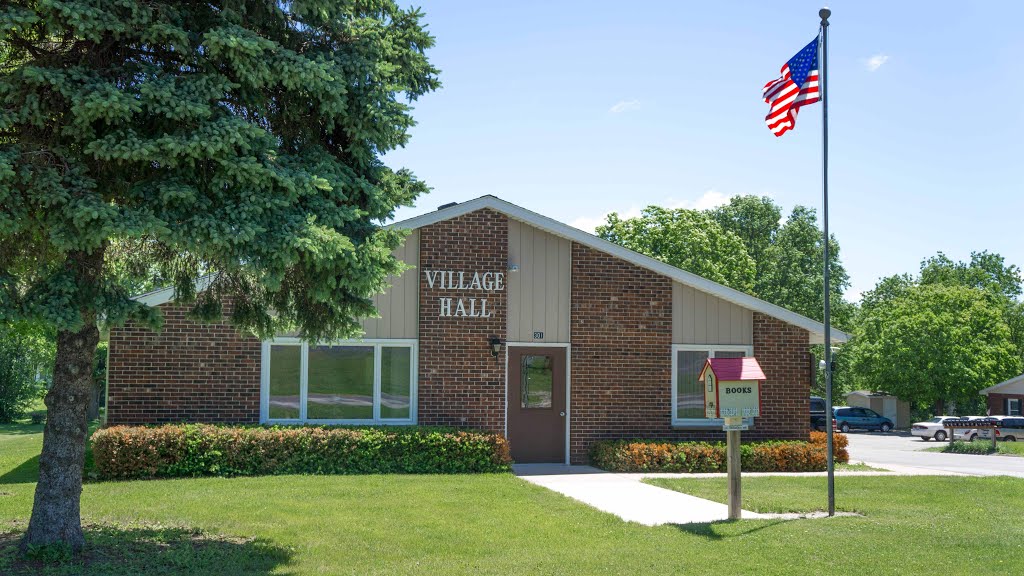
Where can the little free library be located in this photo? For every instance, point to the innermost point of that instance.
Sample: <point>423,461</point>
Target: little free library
<point>506,321</point>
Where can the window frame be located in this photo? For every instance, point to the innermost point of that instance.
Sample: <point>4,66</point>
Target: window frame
<point>377,344</point>
<point>1009,407</point>
<point>711,349</point>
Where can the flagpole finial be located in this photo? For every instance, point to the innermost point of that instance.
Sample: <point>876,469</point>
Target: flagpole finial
<point>824,13</point>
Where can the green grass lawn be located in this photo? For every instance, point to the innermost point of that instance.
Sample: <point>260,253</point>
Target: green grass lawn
<point>857,467</point>
<point>498,524</point>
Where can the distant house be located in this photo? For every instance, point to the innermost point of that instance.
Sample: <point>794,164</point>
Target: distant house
<point>885,404</point>
<point>1006,398</point>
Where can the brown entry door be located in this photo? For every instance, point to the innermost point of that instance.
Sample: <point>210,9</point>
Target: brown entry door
<point>536,404</point>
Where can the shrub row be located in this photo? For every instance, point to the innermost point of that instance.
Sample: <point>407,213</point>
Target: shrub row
<point>128,452</point>
<point>979,447</point>
<point>693,457</point>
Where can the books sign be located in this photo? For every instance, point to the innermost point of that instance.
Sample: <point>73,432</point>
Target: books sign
<point>732,388</point>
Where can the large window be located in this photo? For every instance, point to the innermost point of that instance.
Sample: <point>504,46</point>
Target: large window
<point>365,382</point>
<point>1013,407</point>
<point>687,392</point>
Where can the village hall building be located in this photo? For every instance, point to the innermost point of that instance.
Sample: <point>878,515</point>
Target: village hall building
<point>507,321</point>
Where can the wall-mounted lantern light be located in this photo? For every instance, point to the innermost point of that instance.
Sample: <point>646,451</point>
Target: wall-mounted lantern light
<point>495,343</point>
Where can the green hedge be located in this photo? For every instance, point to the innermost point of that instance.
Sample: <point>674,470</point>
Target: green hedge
<point>694,457</point>
<point>979,447</point>
<point>129,452</point>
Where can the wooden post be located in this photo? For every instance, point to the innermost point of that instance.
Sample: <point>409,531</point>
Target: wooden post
<point>732,442</point>
<point>993,432</point>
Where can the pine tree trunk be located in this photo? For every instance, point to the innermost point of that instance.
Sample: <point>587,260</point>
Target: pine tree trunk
<point>56,516</point>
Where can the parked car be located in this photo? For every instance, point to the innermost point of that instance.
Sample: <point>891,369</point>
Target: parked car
<point>934,428</point>
<point>818,412</point>
<point>1011,429</point>
<point>969,434</point>
<point>848,418</point>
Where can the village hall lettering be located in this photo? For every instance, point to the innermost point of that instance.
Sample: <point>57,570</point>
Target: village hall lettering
<point>457,280</point>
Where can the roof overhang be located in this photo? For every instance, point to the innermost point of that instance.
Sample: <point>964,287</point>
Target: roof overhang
<point>165,295</point>
<point>1014,385</point>
<point>815,329</point>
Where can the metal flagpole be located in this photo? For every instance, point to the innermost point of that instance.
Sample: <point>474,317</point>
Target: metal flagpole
<point>823,88</point>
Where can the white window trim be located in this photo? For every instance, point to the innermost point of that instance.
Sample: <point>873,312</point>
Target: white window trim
<point>700,423</point>
<point>377,344</point>
<point>1009,407</point>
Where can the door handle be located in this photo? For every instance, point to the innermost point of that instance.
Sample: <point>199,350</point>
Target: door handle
<point>562,413</point>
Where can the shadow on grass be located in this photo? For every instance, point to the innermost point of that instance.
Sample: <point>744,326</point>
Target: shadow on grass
<point>20,429</point>
<point>726,529</point>
<point>25,473</point>
<point>148,551</point>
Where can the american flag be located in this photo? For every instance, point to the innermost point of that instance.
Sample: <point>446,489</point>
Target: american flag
<point>798,86</point>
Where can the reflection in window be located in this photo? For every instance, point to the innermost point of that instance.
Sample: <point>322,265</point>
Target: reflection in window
<point>284,381</point>
<point>690,398</point>
<point>340,383</point>
<point>395,382</point>
<point>536,375</point>
<point>690,392</point>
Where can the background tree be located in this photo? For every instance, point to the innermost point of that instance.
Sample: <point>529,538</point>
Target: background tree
<point>178,139</point>
<point>934,345</point>
<point>795,275</point>
<point>756,220</point>
<point>743,245</point>
<point>26,361</point>
<point>986,271</point>
<point>687,239</point>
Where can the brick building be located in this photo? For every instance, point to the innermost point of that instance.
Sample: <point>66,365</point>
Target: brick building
<point>507,321</point>
<point>1006,398</point>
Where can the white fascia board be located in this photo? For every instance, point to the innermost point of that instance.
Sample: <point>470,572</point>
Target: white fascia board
<point>165,295</point>
<point>1001,385</point>
<point>815,329</point>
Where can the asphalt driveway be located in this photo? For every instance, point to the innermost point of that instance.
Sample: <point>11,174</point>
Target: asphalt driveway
<point>901,452</point>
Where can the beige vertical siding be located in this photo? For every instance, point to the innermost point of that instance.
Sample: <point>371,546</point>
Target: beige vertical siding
<point>700,318</point>
<point>399,305</point>
<point>538,294</point>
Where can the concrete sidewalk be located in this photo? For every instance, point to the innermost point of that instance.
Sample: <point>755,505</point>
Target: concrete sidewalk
<point>625,495</point>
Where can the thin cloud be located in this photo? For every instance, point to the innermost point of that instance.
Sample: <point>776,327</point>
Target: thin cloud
<point>875,62</point>
<point>624,106</point>
<point>710,199</point>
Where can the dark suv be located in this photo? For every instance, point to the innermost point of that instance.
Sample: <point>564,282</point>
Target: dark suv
<point>848,417</point>
<point>818,412</point>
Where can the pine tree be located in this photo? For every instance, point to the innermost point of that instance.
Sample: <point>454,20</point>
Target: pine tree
<point>236,140</point>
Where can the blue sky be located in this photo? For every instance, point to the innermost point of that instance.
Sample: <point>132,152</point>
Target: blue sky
<point>577,109</point>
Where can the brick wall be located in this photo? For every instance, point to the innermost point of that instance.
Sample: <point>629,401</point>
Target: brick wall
<point>186,372</point>
<point>621,358</point>
<point>621,329</point>
<point>784,355</point>
<point>621,324</point>
<point>997,403</point>
<point>460,382</point>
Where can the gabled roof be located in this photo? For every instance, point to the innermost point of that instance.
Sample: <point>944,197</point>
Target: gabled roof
<point>734,369</point>
<point>165,295</point>
<point>816,329</point>
<point>1015,385</point>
